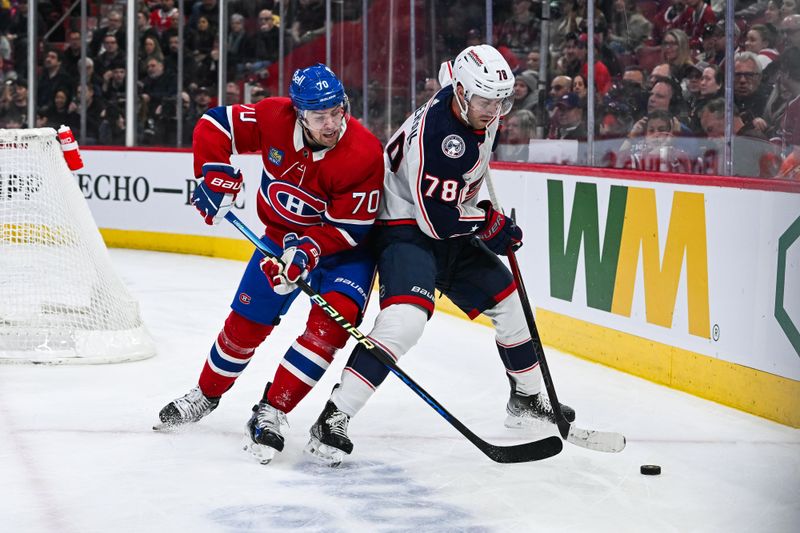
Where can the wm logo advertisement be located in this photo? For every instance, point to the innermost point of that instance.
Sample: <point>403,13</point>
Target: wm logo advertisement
<point>631,237</point>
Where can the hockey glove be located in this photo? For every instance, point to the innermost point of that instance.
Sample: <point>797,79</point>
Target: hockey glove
<point>499,232</point>
<point>300,256</point>
<point>214,196</point>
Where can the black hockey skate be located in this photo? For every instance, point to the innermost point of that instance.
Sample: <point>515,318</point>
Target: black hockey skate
<point>329,442</point>
<point>185,410</point>
<point>530,411</point>
<point>263,431</point>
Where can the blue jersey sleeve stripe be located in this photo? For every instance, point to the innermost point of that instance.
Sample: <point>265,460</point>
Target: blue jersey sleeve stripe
<point>219,117</point>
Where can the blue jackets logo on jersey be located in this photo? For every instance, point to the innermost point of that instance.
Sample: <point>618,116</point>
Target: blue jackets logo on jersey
<point>294,204</point>
<point>453,146</point>
<point>275,156</point>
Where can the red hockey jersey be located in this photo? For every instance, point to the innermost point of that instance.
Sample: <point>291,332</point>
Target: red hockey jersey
<point>330,195</point>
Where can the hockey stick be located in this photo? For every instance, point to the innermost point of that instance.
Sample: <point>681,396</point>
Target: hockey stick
<point>518,453</point>
<point>601,441</point>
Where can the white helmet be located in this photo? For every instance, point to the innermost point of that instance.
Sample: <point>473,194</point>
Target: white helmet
<point>483,71</point>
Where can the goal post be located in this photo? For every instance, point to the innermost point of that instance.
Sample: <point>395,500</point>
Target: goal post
<point>60,299</point>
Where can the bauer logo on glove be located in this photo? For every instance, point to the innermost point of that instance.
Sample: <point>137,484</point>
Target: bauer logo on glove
<point>215,194</point>
<point>499,231</point>
<point>300,256</point>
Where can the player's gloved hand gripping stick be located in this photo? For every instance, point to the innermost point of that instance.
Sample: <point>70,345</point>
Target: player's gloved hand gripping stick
<point>518,453</point>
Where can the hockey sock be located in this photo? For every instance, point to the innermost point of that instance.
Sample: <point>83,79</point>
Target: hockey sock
<point>397,329</point>
<point>231,354</point>
<point>311,354</point>
<point>515,346</point>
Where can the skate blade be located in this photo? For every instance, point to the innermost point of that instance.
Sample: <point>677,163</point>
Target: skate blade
<point>323,453</point>
<point>527,422</point>
<point>262,453</point>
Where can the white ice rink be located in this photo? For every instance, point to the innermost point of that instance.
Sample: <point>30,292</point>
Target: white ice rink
<point>77,453</point>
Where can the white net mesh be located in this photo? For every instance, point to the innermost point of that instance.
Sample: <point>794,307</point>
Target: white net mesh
<point>60,299</point>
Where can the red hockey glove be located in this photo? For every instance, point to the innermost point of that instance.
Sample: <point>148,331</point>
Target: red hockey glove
<point>300,256</point>
<point>214,196</point>
<point>499,232</point>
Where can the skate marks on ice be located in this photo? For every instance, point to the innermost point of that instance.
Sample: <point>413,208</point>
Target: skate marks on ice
<point>359,495</point>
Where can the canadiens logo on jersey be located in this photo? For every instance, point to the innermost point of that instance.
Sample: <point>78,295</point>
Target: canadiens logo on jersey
<point>275,156</point>
<point>294,204</point>
<point>453,146</point>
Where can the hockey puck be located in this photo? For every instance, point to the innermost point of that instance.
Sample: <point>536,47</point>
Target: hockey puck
<point>650,470</point>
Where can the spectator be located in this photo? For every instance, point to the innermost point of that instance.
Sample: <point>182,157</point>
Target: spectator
<point>429,88</point>
<point>57,110</point>
<point>786,90</point>
<point>257,93</point>
<point>53,79</point>
<point>694,19</point>
<point>560,86</point>
<point>762,40</point>
<point>660,72</point>
<point>203,8</point>
<point>628,28</point>
<point>15,101</point>
<point>202,36</point>
<point>263,47</point>
<point>569,63</point>
<point>518,130</point>
<point>711,87</point>
<point>749,94</point>
<point>525,93</point>
<point>150,48</point>
<point>602,76</point>
<point>713,44</point>
<point>92,78</point>
<point>161,17</point>
<point>233,95</point>
<point>112,127</point>
<point>236,45</point>
<point>201,102</point>
<point>308,18</point>
<point>110,55</point>
<point>533,60</point>
<point>94,110</point>
<point>675,52</point>
<point>772,13</point>
<point>664,96</point>
<point>113,27</point>
<point>520,32</point>
<point>157,84</point>
<point>579,88</point>
<point>667,19</point>
<point>790,29</point>
<point>752,154</point>
<point>114,85</point>
<point>656,151</point>
<point>571,124</point>
<point>72,53</point>
<point>635,75</point>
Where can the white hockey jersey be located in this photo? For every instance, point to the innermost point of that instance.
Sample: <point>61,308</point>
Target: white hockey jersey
<point>435,166</point>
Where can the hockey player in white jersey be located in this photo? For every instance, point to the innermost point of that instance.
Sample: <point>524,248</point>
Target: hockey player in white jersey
<point>425,239</point>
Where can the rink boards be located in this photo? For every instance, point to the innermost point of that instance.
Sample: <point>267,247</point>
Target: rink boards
<point>694,285</point>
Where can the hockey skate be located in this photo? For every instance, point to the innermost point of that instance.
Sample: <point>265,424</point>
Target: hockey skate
<point>533,411</point>
<point>263,432</point>
<point>185,410</point>
<point>329,442</point>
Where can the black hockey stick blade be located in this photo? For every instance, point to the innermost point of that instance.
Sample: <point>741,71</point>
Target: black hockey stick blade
<point>601,441</point>
<point>518,453</point>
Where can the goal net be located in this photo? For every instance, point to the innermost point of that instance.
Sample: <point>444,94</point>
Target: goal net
<point>60,299</point>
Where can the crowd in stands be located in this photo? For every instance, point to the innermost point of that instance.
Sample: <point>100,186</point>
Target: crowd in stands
<point>659,78</point>
<point>658,75</point>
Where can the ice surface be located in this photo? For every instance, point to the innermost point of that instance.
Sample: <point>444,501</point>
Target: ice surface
<point>77,453</point>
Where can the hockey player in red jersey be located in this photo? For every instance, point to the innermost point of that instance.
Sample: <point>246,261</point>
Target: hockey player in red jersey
<point>425,239</point>
<point>319,195</point>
